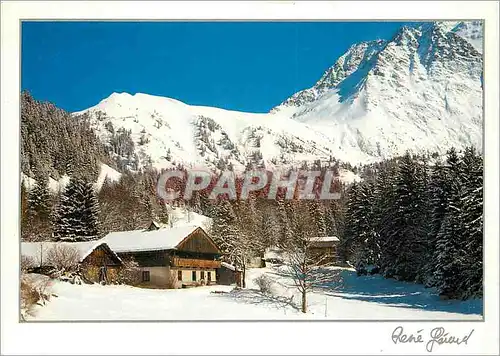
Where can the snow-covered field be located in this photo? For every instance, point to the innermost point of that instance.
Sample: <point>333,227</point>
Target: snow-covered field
<point>368,298</point>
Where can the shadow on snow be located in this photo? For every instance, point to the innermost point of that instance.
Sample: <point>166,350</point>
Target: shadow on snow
<point>377,289</point>
<point>254,296</point>
<point>373,289</point>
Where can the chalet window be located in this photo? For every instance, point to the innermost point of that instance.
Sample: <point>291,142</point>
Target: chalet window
<point>193,275</point>
<point>209,276</point>
<point>179,275</point>
<point>202,275</point>
<point>145,276</point>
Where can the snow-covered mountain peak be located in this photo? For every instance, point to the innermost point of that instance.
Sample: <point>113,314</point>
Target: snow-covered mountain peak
<point>472,31</point>
<point>419,90</point>
<point>357,56</point>
<point>116,98</point>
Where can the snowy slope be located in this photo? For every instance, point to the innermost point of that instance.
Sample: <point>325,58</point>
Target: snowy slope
<point>170,132</point>
<point>420,90</point>
<point>180,216</point>
<point>56,186</point>
<point>472,31</point>
<point>107,173</point>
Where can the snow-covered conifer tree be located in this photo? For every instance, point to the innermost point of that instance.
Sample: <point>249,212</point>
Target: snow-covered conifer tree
<point>39,199</point>
<point>407,228</point>
<point>78,212</point>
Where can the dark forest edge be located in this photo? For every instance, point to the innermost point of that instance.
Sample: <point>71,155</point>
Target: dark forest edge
<point>416,218</point>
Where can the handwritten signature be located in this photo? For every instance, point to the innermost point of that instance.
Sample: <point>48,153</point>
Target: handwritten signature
<point>438,336</point>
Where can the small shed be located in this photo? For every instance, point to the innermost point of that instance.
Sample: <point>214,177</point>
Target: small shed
<point>94,258</point>
<point>228,274</point>
<point>325,247</point>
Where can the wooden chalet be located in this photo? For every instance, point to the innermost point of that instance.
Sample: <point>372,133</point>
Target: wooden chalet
<point>169,257</point>
<point>96,261</point>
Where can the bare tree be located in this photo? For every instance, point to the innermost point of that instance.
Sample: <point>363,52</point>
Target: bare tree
<point>63,258</point>
<point>307,265</point>
<point>36,230</point>
<point>248,242</point>
<point>264,283</point>
<point>130,272</point>
<point>27,262</point>
<point>33,290</point>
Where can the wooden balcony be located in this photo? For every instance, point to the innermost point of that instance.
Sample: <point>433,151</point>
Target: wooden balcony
<point>194,263</point>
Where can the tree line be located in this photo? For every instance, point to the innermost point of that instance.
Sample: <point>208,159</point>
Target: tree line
<point>53,143</point>
<point>82,212</point>
<point>420,221</point>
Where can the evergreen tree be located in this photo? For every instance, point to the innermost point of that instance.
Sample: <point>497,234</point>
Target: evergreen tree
<point>450,256</point>
<point>369,254</point>
<point>317,212</point>
<point>384,208</point>
<point>39,199</point>
<point>427,229</point>
<point>349,242</point>
<point>248,240</point>
<point>439,192</point>
<point>285,234</point>
<point>335,215</point>
<point>24,206</point>
<point>471,218</point>
<point>35,221</point>
<point>450,249</point>
<point>224,230</point>
<point>361,239</point>
<point>269,226</point>
<point>54,143</point>
<point>407,228</point>
<point>78,211</point>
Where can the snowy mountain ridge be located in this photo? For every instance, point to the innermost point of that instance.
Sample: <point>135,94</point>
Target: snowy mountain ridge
<point>167,132</point>
<point>421,90</point>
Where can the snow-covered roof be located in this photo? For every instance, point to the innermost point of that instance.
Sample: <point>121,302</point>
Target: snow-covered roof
<point>325,239</point>
<point>38,250</point>
<point>143,240</point>
<point>273,253</point>
<point>156,224</point>
<point>229,266</point>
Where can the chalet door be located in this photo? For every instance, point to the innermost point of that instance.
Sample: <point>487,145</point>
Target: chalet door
<point>103,274</point>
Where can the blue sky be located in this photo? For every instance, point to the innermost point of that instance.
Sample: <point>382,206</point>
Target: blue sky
<point>236,65</point>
